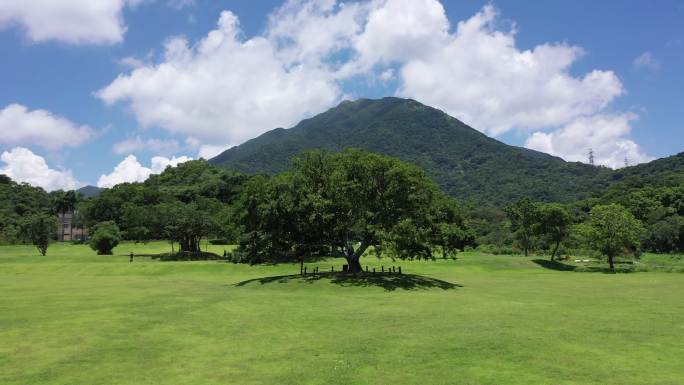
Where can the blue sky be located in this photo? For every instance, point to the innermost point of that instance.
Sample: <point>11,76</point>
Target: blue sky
<point>104,95</point>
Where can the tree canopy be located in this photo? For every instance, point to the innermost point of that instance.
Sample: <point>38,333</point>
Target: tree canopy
<point>341,204</point>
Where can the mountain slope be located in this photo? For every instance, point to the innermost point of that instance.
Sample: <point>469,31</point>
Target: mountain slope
<point>464,162</point>
<point>89,191</point>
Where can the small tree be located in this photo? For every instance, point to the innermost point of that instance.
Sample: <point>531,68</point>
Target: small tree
<point>39,229</point>
<point>449,231</point>
<point>613,230</point>
<point>523,215</point>
<point>106,236</point>
<point>553,224</point>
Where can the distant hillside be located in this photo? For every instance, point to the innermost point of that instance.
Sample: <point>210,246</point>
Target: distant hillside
<point>464,162</point>
<point>89,191</point>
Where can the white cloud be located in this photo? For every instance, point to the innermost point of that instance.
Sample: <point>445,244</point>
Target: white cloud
<point>70,21</point>
<point>227,88</point>
<point>646,61</point>
<point>137,144</point>
<point>131,62</point>
<point>22,165</point>
<point>19,126</point>
<point>478,75</point>
<point>223,88</point>
<point>400,31</point>
<point>180,4</point>
<point>605,135</point>
<point>209,151</point>
<point>130,170</point>
<point>387,75</point>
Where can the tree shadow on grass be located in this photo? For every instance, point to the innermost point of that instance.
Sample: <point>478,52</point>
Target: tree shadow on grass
<point>559,266</point>
<point>554,265</point>
<point>389,282</point>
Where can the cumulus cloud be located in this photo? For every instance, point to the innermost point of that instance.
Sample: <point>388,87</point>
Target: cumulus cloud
<point>479,75</point>
<point>19,126</point>
<point>130,170</point>
<point>208,151</point>
<point>605,134</point>
<point>646,61</point>
<point>226,88</point>
<point>22,165</point>
<point>70,21</point>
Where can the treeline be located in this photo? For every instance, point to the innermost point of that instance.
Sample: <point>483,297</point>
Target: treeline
<point>552,228</point>
<point>341,204</point>
<point>347,204</point>
<point>24,209</point>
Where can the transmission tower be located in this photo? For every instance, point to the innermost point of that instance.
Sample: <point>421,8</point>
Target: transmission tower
<point>591,156</point>
<point>626,162</point>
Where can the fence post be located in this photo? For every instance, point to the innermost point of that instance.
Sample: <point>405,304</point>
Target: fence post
<point>382,269</point>
<point>399,270</point>
<point>366,268</point>
<point>304,270</point>
<point>373,270</point>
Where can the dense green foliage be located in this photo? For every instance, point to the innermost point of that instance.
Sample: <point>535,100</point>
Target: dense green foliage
<point>613,230</point>
<point>553,225</point>
<point>182,204</point>
<point>523,216</point>
<point>105,237</point>
<point>18,201</point>
<point>465,163</point>
<point>343,204</point>
<point>39,229</point>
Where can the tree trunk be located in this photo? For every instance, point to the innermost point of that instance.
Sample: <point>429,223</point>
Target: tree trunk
<point>354,265</point>
<point>301,265</point>
<point>555,250</point>
<point>610,262</point>
<point>353,257</point>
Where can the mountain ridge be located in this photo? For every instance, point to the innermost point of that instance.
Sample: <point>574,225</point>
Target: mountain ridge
<point>464,162</point>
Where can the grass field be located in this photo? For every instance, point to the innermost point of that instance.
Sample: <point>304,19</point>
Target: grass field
<point>73,317</point>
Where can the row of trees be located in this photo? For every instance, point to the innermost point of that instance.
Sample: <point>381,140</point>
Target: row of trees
<point>343,204</point>
<point>347,204</point>
<point>610,229</point>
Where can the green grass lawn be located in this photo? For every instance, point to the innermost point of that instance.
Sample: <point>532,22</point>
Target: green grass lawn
<point>73,317</point>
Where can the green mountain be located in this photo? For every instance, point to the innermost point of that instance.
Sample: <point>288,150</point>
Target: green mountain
<point>89,191</point>
<point>464,162</point>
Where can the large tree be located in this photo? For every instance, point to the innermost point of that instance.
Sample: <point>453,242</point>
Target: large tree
<point>613,230</point>
<point>340,204</point>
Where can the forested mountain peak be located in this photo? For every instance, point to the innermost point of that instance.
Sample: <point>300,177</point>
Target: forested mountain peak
<point>464,162</point>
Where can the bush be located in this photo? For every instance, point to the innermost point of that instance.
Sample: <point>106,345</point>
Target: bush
<point>106,235</point>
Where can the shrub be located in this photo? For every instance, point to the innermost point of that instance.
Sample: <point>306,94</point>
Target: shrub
<point>106,235</point>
